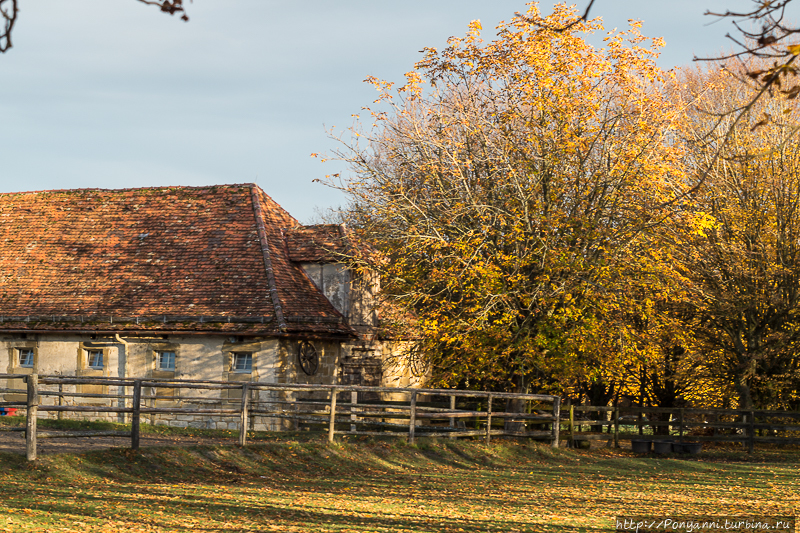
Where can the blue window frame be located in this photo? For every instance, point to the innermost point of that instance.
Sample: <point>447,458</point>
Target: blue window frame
<point>166,361</point>
<point>95,359</point>
<point>242,362</point>
<point>25,357</point>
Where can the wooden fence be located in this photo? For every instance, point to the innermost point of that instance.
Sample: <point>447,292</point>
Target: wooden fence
<point>746,426</point>
<point>335,409</point>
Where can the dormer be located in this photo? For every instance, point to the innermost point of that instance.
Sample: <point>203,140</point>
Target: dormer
<point>324,253</point>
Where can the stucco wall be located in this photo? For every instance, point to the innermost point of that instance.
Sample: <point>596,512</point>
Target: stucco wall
<point>352,293</point>
<point>333,280</point>
<point>196,358</point>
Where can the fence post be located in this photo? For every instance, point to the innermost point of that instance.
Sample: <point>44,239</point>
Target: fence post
<point>353,417</point>
<point>751,431</point>
<point>122,402</point>
<point>640,422</point>
<point>412,419</point>
<point>332,422</point>
<point>136,404</point>
<point>680,428</point>
<point>489,420</point>
<point>452,434</point>
<point>153,405</point>
<point>60,414</point>
<point>33,410</point>
<point>716,423</point>
<point>556,419</point>
<point>243,422</point>
<point>616,426</point>
<point>571,441</point>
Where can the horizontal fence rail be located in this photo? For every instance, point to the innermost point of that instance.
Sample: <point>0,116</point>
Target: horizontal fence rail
<point>745,426</point>
<point>253,406</point>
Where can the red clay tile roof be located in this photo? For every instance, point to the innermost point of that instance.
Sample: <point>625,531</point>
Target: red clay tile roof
<point>324,243</point>
<point>156,259</point>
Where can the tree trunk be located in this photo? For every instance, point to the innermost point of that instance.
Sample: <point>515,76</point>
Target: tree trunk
<point>600,394</point>
<point>744,375</point>
<point>516,405</point>
<point>743,391</point>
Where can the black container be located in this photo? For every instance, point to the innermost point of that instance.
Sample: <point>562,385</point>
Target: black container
<point>688,447</point>
<point>662,446</point>
<point>641,446</point>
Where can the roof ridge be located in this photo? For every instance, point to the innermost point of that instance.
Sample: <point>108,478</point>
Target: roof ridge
<point>274,204</point>
<point>264,242</point>
<point>127,189</point>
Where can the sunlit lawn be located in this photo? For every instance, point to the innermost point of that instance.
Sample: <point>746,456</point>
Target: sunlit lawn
<point>384,486</point>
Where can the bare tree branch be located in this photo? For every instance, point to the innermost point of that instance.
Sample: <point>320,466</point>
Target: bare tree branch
<point>583,18</point>
<point>167,6</point>
<point>9,10</point>
<point>775,39</point>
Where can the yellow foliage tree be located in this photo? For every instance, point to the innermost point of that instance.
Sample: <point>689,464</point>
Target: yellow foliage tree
<point>512,187</point>
<point>736,238</point>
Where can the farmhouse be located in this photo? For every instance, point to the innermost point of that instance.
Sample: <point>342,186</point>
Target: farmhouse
<point>207,283</point>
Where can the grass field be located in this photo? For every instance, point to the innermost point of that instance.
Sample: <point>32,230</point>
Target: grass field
<point>303,484</point>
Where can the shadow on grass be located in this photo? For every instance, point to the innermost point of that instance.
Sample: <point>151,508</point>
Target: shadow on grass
<point>368,485</point>
<point>161,510</point>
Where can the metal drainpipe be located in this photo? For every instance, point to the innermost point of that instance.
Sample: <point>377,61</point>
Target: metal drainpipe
<point>122,402</point>
<point>124,359</point>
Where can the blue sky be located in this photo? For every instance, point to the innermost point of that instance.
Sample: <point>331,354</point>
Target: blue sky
<point>115,94</point>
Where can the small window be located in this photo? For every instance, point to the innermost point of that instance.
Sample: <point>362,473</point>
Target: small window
<point>25,357</point>
<point>166,361</point>
<point>242,362</point>
<point>95,359</point>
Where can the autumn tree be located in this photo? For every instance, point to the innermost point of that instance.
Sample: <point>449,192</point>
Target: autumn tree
<point>510,187</point>
<point>738,236</point>
<point>762,31</point>
<point>766,39</point>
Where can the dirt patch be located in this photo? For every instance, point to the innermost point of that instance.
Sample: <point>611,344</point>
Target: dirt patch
<point>14,442</point>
